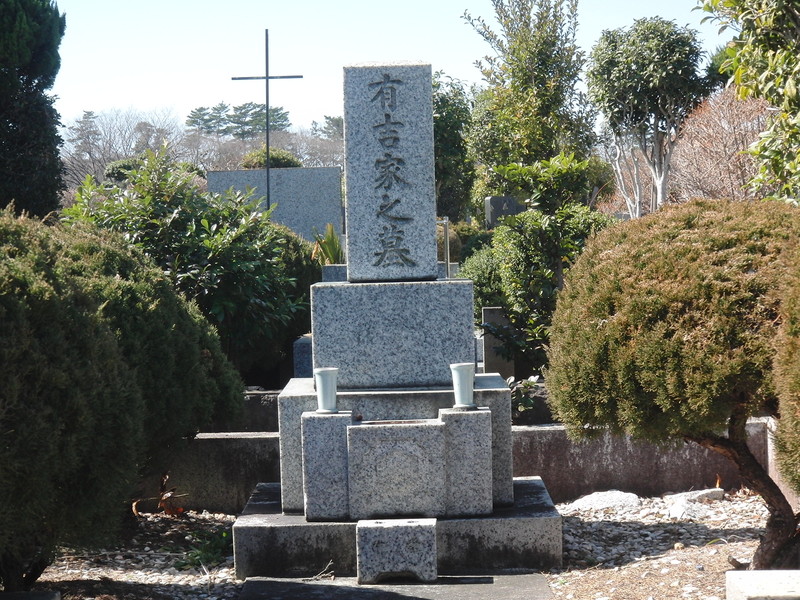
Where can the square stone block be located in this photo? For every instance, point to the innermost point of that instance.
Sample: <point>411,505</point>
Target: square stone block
<point>396,469</point>
<point>325,465</point>
<point>390,335</point>
<point>468,442</point>
<point>396,548</point>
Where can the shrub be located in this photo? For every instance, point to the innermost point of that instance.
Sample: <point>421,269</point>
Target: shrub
<point>665,330</point>
<point>533,250</point>
<point>102,364</point>
<point>472,239</point>
<point>278,159</point>
<point>484,270</point>
<point>219,250</point>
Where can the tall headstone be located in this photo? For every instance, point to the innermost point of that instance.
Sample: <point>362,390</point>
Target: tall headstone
<point>391,200</point>
<point>392,324</point>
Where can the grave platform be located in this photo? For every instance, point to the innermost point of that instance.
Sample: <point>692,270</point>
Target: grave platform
<point>497,586</point>
<point>270,543</point>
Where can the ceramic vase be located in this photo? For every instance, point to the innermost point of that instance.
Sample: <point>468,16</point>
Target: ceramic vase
<point>463,384</point>
<point>325,382</point>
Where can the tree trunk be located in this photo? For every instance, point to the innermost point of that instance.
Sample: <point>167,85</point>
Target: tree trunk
<point>780,546</point>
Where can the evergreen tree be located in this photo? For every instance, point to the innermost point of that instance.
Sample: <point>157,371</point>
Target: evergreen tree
<point>30,168</point>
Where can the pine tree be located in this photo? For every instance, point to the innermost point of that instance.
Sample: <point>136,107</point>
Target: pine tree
<point>30,168</point>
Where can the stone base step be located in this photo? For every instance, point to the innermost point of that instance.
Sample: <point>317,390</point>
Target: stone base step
<point>529,586</point>
<point>527,535</point>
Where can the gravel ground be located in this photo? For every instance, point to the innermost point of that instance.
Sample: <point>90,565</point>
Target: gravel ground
<point>619,547</point>
<point>616,547</point>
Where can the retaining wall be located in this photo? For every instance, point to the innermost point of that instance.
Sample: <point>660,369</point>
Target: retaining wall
<point>218,471</point>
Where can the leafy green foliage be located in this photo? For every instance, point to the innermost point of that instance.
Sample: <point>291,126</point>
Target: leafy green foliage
<point>533,108</point>
<point>103,365</point>
<point>533,251</point>
<point>665,330</point>
<point>453,167</point>
<point>328,247</point>
<point>550,183</point>
<point>665,325</point>
<point>787,373</point>
<point>646,80</point>
<point>331,129</point>
<point>765,61</point>
<point>208,549</point>
<point>483,268</point>
<point>220,251</point>
<point>278,159</point>
<point>30,169</point>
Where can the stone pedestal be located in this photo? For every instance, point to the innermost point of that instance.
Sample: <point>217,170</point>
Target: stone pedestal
<point>394,334</point>
<point>396,548</point>
<point>391,405</point>
<point>269,543</point>
<point>325,491</point>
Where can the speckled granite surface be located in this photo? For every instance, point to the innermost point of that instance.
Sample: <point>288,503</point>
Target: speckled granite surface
<point>389,172</point>
<point>468,472</point>
<point>396,547</point>
<point>398,334</point>
<point>391,404</point>
<point>396,469</point>
<point>325,489</point>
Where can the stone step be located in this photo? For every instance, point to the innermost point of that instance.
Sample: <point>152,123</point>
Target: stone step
<point>269,543</point>
<point>529,586</point>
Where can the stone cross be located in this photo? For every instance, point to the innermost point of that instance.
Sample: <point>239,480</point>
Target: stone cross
<point>389,173</point>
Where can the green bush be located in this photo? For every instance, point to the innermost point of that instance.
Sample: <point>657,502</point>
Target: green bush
<point>219,250</point>
<point>278,159</point>
<point>102,365</point>
<point>533,250</point>
<point>787,373</point>
<point>665,330</point>
<point>117,171</point>
<point>472,239</point>
<point>484,270</point>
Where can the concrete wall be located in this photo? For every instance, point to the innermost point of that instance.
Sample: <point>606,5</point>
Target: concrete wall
<point>304,198</point>
<point>218,471</point>
<point>573,469</point>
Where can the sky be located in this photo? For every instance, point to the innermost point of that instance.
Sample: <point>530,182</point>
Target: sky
<point>170,56</point>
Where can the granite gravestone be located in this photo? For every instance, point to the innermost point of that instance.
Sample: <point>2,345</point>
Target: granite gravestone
<point>392,324</point>
<point>391,208</point>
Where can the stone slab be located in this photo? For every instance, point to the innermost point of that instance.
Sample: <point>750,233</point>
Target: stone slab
<point>389,172</point>
<point>396,334</point>
<point>303,198</point>
<point>396,469</point>
<point>374,405</point>
<point>396,548</point>
<point>762,585</point>
<point>269,543</point>
<point>325,462</point>
<point>517,586</point>
<point>468,458</point>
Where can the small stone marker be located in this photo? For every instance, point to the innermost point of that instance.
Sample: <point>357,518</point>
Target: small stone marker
<point>396,548</point>
<point>389,172</point>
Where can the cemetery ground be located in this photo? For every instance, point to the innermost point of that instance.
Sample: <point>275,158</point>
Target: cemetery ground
<point>620,552</point>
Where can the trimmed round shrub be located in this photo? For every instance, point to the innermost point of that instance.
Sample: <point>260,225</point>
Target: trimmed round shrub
<point>103,365</point>
<point>666,329</point>
<point>278,159</point>
<point>787,373</point>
